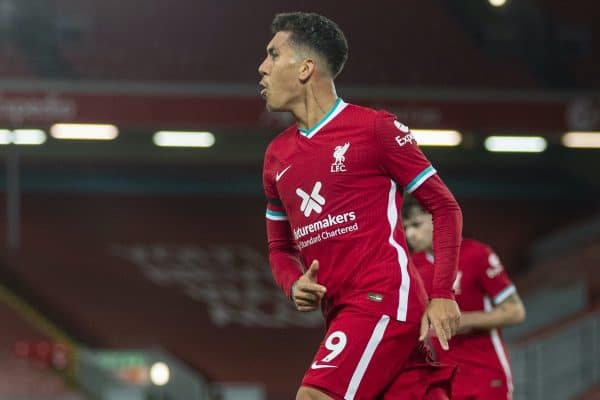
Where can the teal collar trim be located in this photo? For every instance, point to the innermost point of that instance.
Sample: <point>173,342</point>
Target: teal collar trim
<point>337,107</point>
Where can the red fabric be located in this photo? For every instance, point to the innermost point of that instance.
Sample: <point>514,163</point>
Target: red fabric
<point>284,256</point>
<point>399,367</point>
<point>437,393</point>
<point>481,278</point>
<point>447,228</point>
<point>334,196</point>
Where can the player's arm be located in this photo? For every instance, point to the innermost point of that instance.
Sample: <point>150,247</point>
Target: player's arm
<point>284,256</point>
<point>447,228</point>
<point>503,306</point>
<point>509,312</point>
<point>442,312</point>
<point>405,163</point>
<point>287,266</point>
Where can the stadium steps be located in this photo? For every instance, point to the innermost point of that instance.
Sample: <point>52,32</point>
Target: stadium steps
<point>25,375</point>
<point>591,394</point>
<point>12,63</point>
<point>187,274</point>
<point>570,255</point>
<point>196,43</point>
<point>559,362</point>
<point>555,352</point>
<point>577,31</point>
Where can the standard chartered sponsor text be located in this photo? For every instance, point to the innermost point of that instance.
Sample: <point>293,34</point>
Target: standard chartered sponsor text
<point>328,222</point>
<point>327,235</point>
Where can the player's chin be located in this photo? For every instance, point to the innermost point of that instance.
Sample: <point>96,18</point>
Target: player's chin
<point>273,105</point>
<point>418,247</point>
<point>273,108</point>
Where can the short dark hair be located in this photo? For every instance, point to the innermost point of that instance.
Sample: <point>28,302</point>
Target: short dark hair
<point>411,205</point>
<point>317,33</point>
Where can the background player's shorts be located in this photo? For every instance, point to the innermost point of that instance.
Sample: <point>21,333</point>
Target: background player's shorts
<point>479,385</point>
<point>369,357</point>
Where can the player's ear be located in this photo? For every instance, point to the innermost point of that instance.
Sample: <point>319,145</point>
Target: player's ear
<point>306,69</point>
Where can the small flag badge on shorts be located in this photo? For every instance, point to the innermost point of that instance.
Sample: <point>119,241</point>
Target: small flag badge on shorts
<point>375,297</point>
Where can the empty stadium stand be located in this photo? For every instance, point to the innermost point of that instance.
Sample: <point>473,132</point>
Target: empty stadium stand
<point>569,255</point>
<point>592,394</point>
<point>12,64</point>
<point>25,376</point>
<point>577,34</point>
<point>555,355</point>
<point>109,40</point>
<point>197,43</point>
<point>187,274</point>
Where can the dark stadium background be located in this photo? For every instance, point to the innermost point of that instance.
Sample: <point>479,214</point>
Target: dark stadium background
<point>118,253</point>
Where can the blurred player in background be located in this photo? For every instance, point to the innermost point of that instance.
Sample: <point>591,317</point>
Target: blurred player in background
<point>334,234</point>
<point>488,301</point>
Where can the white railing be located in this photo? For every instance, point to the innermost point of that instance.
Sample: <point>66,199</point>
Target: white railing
<point>558,366</point>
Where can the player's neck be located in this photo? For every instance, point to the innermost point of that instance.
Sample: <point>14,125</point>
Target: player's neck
<point>317,101</point>
<point>429,255</point>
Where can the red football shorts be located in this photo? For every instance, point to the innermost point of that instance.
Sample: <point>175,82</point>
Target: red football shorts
<point>478,384</point>
<point>368,357</point>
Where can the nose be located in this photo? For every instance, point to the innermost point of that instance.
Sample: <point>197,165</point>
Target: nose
<point>409,232</point>
<point>262,68</point>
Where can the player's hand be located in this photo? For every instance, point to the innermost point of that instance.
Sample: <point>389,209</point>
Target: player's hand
<point>466,324</point>
<point>306,292</point>
<point>443,316</point>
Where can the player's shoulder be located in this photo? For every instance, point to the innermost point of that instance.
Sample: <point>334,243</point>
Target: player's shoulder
<point>386,121</point>
<point>473,244</point>
<point>470,246</point>
<point>354,110</point>
<point>475,254</point>
<point>354,114</point>
<point>370,112</point>
<point>380,120</point>
<point>281,140</point>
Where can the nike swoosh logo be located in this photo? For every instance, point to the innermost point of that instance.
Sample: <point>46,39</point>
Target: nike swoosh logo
<point>319,366</point>
<point>280,174</point>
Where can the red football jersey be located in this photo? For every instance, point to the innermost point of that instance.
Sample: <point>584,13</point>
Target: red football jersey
<point>334,192</point>
<point>481,281</point>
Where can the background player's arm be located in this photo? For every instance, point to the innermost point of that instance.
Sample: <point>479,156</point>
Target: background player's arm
<point>495,282</point>
<point>509,312</point>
